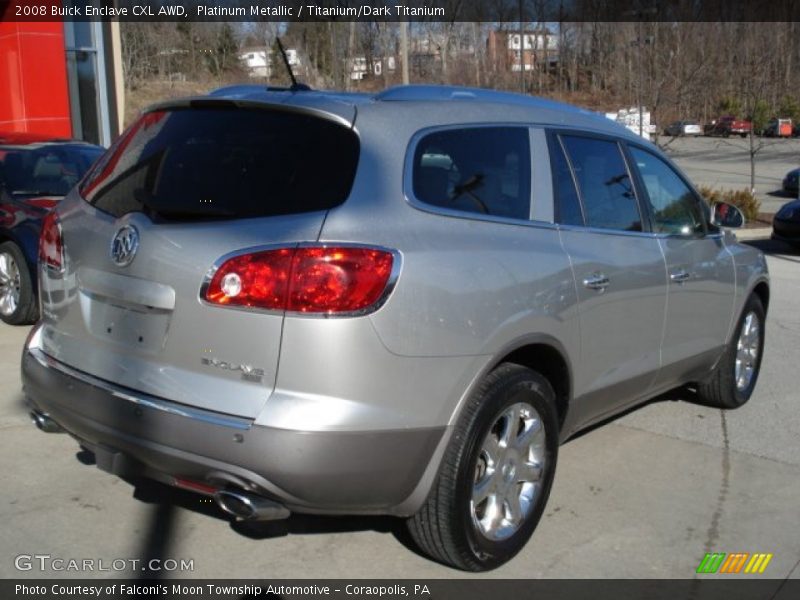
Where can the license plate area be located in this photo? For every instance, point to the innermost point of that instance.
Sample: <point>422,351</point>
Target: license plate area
<point>136,327</point>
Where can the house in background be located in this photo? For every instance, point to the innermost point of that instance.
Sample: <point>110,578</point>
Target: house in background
<point>257,61</point>
<point>526,51</point>
<point>358,71</point>
<point>61,79</point>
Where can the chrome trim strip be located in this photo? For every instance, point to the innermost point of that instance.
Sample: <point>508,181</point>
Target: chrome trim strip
<point>646,234</point>
<point>145,400</point>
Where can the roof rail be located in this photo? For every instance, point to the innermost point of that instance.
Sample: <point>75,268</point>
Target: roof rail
<point>434,93</point>
<point>295,87</point>
<point>250,88</point>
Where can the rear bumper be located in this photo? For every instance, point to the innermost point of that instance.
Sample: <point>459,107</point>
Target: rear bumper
<point>317,472</point>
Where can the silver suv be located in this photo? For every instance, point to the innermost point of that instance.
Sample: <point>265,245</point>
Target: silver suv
<point>389,304</point>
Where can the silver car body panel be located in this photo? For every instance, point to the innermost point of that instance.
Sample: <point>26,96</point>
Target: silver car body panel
<point>346,402</point>
<point>144,327</point>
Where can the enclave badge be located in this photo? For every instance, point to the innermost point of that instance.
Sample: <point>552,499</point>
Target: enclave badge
<point>124,245</point>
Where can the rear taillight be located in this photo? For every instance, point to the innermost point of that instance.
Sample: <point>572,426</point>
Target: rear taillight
<point>51,244</point>
<point>326,280</point>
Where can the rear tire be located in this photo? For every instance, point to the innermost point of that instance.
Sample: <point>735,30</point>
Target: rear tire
<point>495,475</point>
<point>17,301</point>
<point>734,378</point>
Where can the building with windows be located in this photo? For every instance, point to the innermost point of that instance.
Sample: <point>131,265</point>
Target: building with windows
<point>257,61</point>
<point>60,78</point>
<point>526,51</point>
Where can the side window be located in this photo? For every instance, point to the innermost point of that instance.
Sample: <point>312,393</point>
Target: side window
<point>568,205</point>
<point>609,201</point>
<point>674,206</point>
<point>485,170</point>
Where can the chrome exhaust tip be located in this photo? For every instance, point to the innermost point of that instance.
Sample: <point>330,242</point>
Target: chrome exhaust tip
<point>44,423</point>
<point>250,507</point>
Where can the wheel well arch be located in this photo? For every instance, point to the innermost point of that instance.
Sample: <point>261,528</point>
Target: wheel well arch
<point>762,291</point>
<point>550,361</point>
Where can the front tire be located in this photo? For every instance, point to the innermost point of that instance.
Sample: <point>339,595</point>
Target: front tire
<point>734,378</point>
<point>17,300</point>
<point>496,473</point>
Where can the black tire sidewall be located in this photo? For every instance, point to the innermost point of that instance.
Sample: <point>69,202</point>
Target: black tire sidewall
<point>24,309</point>
<point>527,386</point>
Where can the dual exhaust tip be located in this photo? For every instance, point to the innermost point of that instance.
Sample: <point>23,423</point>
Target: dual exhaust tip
<point>250,507</point>
<point>242,505</point>
<point>44,423</point>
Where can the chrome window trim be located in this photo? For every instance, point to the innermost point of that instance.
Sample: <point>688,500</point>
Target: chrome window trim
<point>146,400</point>
<point>408,177</point>
<point>397,262</point>
<point>555,140</point>
<point>648,234</point>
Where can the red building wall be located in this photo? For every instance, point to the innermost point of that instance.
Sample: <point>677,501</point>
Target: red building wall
<point>33,78</point>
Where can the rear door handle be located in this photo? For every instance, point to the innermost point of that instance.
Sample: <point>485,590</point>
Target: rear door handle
<point>680,276</point>
<point>596,281</point>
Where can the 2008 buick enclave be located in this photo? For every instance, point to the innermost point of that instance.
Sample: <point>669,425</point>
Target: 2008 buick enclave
<point>393,304</point>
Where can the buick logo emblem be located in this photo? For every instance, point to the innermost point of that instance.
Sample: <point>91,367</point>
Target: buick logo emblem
<point>124,246</point>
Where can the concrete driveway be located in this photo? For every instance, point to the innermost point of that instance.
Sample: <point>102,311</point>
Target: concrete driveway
<point>645,496</point>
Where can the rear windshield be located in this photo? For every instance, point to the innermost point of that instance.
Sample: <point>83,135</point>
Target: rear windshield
<point>225,163</point>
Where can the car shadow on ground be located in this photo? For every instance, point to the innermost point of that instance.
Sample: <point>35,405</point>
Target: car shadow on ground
<point>687,394</point>
<point>782,194</point>
<point>166,500</point>
<point>777,249</point>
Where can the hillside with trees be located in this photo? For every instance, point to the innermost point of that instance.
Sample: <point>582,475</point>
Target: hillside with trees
<point>678,70</point>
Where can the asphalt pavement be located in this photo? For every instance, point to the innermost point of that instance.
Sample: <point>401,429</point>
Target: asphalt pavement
<point>644,496</point>
<point>724,163</point>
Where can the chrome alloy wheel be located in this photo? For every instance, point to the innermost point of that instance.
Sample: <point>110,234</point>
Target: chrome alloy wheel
<point>9,284</point>
<point>508,473</point>
<point>747,349</point>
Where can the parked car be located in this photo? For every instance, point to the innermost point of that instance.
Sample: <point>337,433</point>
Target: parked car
<point>35,173</point>
<point>786,223</point>
<point>684,128</point>
<point>727,126</point>
<point>289,314</point>
<point>790,185</point>
<point>778,128</point>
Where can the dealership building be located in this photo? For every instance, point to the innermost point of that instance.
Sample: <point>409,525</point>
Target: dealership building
<point>60,78</point>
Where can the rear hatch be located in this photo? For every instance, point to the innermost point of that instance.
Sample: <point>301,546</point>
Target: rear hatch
<point>182,188</point>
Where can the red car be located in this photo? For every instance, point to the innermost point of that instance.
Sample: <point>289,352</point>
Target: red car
<point>728,125</point>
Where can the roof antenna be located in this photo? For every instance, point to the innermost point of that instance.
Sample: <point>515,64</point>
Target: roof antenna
<point>296,87</point>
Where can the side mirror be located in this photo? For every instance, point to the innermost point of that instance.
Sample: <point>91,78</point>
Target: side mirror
<point>726,215</point>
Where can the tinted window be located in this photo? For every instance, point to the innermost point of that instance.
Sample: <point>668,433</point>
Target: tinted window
<point>483,170</point>
<point>45,169</point>
<point>225,163</point>
<point>674,206</point>
<point>568,206</point>
<point>609,201</point>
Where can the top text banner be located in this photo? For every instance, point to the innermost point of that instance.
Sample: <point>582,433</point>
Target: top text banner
<point>525,11</point>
